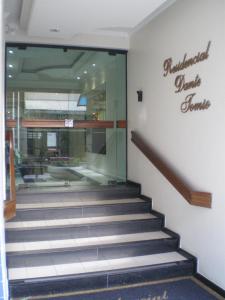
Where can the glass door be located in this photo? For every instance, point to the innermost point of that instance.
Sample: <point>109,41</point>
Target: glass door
<point>66,109</point>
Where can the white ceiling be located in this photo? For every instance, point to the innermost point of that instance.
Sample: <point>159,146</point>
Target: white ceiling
<point>69,22</point>
<point>65,19</point>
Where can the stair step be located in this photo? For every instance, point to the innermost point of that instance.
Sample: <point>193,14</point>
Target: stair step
<point>62,278</point>
<point>78,268</point>
<point>89,249</point>
<point>95,192</point>
<point>63,242</point>
<point>84,230</point>
<point>78,209</point>
<point>76,221</point>
<point>84,242</point>
<point>74,203</point>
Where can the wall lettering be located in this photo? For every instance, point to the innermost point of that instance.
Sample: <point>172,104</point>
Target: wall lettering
<point>183,84</point>
<point>187,62</point>
<point>187,105</point>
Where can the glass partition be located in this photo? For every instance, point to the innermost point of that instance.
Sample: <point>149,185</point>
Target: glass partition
<point>65,108</point>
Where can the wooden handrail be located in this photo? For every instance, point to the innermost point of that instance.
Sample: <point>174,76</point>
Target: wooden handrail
<point>194,198</point>
<point>10,204</point>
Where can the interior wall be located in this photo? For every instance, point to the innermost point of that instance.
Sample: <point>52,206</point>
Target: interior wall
<point>192,142</point>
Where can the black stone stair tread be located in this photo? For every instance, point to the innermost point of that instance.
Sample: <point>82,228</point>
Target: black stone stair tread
<point>108,265</point>
<point>42,204</point>
<point>76,221</point>
<point>91,253</point>
<point>83,209</point>
<point>80,231</point>
<point>30,247</point>
<point>86,249</point>
<point>97,192</point>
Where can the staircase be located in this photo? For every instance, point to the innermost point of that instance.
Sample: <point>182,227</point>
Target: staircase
<point>68,242</point>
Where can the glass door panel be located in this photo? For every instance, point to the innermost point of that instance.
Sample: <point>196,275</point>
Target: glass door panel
<point>65,108</point>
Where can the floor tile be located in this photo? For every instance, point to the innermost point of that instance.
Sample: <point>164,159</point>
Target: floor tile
<point>39,272</point>
<point>13,247</point>
<point>96,266</point>
<point>17,273</point>
<point>68,269</point>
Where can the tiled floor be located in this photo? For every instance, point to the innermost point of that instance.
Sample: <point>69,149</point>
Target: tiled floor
<point>94,266</point>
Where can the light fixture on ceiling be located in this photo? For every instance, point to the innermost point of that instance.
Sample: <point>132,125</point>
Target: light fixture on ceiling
<point>10,76</point>
<point>11,51</point>
<point>10,66</point>
<point>93,65</point>
<point>78,77</point>
<point>85,72</point>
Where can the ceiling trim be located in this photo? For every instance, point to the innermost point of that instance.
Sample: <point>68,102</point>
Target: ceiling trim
<point>152,16</point>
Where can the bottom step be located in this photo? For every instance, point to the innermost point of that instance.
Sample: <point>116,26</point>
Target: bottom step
<point>102,274</point>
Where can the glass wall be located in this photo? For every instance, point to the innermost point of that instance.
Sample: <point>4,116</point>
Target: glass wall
<point>63,106</point>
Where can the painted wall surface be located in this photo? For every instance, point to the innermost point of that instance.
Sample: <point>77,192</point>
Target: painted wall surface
<point>192,142</point>
<point>3,275</point>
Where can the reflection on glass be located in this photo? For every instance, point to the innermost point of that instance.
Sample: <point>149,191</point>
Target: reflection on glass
<point>54,84</point>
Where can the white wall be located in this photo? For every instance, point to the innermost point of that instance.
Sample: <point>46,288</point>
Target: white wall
<point>3,276</point>
<point>194,143</point>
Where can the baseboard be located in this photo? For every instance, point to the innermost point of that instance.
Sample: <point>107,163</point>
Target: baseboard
<point>210,284</point>
<point>146,198</point>
<point>134,184</point>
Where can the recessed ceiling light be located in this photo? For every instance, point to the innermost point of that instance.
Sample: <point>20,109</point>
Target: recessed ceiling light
<point>11,51</point>
<point>10,76</point>
<point>54,30</point>
<point>85,72</point>
<point>93,65</point>
<point>78,77</point>
<point>10,66</point>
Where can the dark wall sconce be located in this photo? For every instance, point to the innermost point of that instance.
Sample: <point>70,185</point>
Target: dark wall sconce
<point>140,95</point>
